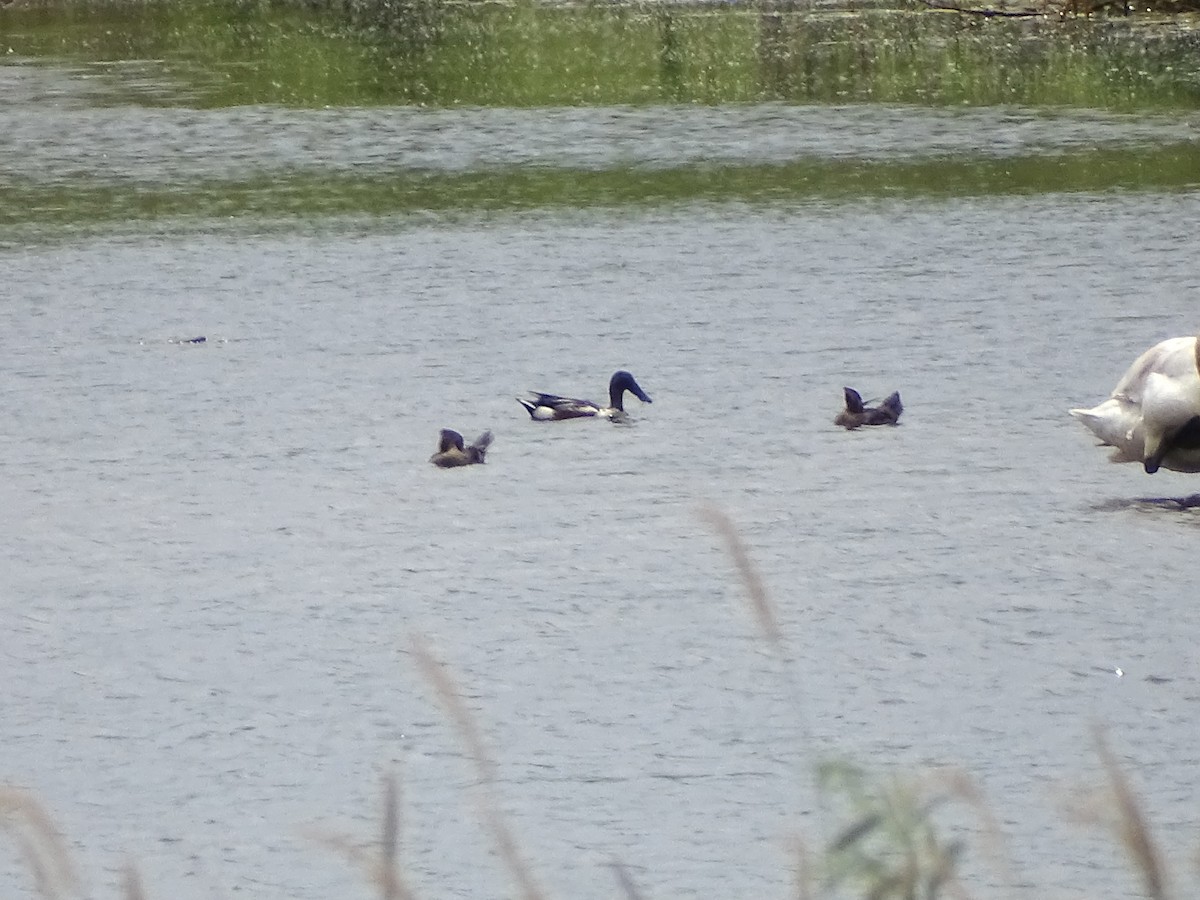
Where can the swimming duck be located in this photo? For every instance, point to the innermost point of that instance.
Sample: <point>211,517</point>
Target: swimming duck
<point>548,407</point>
<point>452,453</point>
<point>1153,415</point>
<point>855,414</point>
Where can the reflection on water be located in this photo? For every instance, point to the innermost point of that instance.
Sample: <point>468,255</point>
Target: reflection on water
<point>216,554</point>
<point>70,162</point>
<point>64,142</point>
<point>1171,504</point>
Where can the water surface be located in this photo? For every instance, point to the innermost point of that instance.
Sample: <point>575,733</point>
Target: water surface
<point>218,554</point>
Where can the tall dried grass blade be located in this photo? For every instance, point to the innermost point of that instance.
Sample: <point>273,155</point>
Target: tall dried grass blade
<point>452,702</point>
<point>896,884</point>
<point>945,872</point>
<point>391,887</point>
<point>1131,826</point>
<point>132,879</point>
<point>44,852</point>
<point>763,611</point>
<point>382,864</point>
<point>343,846</point>
<point>625,880</point>
<point>962,786</point>
<point>804,875</point>
<point>760,603</point>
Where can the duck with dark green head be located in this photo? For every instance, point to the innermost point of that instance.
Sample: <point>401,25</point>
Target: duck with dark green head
<point>551,407</point>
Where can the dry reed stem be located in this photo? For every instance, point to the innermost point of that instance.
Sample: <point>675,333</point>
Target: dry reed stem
<point>390,885</point>
<point>1131,826</point>
<point>963,787</point>
<point>452,702</point>
<point>804,869</point>
<point>955,783</point>
<point>760,603</point>
<point>383,865</point>
<point>768,622</point>
<point>44,852</point>
<point>625,880</point>
<point>132,880</point>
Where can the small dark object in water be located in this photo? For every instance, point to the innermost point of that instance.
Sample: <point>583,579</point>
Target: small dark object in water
<point>452,452</point>
<point>856,414</point>
<point>196,340</point>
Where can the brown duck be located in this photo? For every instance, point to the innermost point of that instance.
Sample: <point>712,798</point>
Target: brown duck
<point>452,452</point>
<point>856,414</point>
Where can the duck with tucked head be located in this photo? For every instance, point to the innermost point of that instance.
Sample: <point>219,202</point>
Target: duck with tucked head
<point>1153,414</point>
<point>856,414</point>
<point>451,452</point>
<point>549,407</point>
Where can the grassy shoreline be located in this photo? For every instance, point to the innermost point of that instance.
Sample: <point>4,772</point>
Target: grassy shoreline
<point>431,53</point>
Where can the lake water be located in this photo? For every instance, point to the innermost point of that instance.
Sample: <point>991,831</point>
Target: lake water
<point>217,556</point>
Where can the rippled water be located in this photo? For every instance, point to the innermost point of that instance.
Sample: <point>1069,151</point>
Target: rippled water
<point>218,554</point>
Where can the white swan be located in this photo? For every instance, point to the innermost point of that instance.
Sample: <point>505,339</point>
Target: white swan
<point>1153,415</point>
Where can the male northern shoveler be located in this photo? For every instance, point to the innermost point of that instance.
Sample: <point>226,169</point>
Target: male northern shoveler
<point>549,407</point>
<point>856,414</point>
<point>1153,414</point>
<point>452,453</point>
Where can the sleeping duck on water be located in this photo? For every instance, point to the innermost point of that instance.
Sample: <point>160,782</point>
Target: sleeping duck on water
<point>856,414</point>
<point>548,407</point>
<point>1153,414</point>
<point>452,453</point>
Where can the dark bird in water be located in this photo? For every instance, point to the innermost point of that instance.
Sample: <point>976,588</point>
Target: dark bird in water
<point>452,453</point>
<point>550,407</point>
<point>856,414</point>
